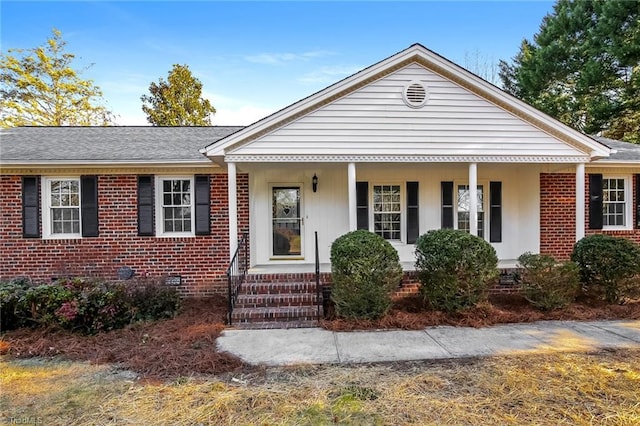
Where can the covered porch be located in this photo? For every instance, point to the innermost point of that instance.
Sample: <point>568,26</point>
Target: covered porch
<point>290,202</point>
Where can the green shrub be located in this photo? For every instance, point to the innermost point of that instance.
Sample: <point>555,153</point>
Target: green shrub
<point>455,268</point>
<point>609,266</point>
<point>44,301</point>
<point>366,270</point>
<point>153,300</point>
<point>547,284</point>
<point>13,312</point>
<point>103,306</point>
<point>88,306</point>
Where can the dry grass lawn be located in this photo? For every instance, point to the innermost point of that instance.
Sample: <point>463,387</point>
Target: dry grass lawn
<point>550,389</point>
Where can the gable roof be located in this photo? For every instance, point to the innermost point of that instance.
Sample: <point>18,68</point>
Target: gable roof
<point>108,145</point>
<point>415,54</point>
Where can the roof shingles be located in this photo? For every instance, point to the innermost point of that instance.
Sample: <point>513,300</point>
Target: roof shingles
<point>137,144</point>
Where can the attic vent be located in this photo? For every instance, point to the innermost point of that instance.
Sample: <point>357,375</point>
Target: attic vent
<point>415,94</point>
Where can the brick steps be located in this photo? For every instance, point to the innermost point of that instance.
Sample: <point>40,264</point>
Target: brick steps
<point>278,299</point>
<point>276,305</point>
<point>269,325</point>
<point>278,288</point>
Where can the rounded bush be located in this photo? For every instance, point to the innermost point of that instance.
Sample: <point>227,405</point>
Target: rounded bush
<point>455,268</point>
<point>366,270</point>
<point>547,284</point>
<point>609,266</point>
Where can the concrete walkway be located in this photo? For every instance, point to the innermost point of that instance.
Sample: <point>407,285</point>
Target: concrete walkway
<point>318,346</point>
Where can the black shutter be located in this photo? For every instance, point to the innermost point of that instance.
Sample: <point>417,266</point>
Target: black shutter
<point>30,207</point>
<point>413,218</point>
<point>595,201</point>
<point>203,205</point>
<point>145,206</point>
<point>447,204</point>
<point>89,205</point>
<point>495,212</point>
<point>637,201</point>
<point>362,205</point>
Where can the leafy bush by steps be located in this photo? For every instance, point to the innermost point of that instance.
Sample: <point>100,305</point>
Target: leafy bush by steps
<point>366,270</point>
<point>455,268</point>
<point>547,284</point>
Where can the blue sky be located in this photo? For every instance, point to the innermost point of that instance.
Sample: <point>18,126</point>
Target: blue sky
<point>255,58</point>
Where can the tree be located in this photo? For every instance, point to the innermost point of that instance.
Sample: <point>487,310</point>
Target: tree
<point>177,101</point>
<point>583,67</point>
<point>39,87</point>
<point>482,65</point>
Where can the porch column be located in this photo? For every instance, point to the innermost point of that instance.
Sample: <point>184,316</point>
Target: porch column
<point>233,209</point>
<point>580,207</point>
<point>473,198</point>
<point>351,183</point>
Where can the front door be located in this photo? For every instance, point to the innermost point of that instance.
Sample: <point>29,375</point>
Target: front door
<point>286,221</point>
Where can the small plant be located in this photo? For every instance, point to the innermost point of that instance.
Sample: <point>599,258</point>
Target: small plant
<point>153,300</point>
<point>547,284</point>
<point>455,268</point>
<point>366,270</point>
<point>609,266</point>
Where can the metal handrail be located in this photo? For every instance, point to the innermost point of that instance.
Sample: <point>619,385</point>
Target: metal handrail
<point>318,291</point>
<point>237,272</point>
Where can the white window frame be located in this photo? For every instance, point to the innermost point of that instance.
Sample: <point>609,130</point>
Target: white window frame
<point>403,209</point>
<point>485,205</point>
<point>47,226</point>
<point>159,196</point>
<point>628,203</point>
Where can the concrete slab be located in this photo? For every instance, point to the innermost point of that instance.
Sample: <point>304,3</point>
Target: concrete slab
<point>627,329</point>
<point>576,336</point>
<point>466,342</point>
<point>315,345</point>
<point>280,347</point>
<point>386,345</point>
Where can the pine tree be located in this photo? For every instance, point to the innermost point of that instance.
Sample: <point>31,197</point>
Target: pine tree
<point>583,67</point>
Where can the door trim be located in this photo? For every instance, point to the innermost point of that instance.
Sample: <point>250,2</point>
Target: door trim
<point>299,187</point>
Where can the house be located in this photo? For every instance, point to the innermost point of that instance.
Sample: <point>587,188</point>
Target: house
<point>397,148</point>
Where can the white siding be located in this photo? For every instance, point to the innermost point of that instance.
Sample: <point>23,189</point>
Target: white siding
<point>326,211</point>
<point>375,120</point>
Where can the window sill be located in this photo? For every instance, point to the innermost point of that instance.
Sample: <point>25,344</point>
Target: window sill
<point>62,237</point>
<point>176,235</point>
<point>617,228</point>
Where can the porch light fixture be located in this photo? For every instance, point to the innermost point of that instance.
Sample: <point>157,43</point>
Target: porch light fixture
<point>314,182</point>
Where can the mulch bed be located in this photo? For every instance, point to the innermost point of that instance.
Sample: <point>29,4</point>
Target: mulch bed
<point>185,345</point>
<point>182,346</point>
<point>409,314</point>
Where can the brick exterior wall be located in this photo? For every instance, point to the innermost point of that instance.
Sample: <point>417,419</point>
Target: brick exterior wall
<point>557,215</point>
<point>201,261</point>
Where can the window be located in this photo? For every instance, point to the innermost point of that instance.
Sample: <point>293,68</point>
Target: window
<point>614,202</point>
<point>175,206</point>
<point>463,209</point>
<point>61,208</point>
<point>387,211</point>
